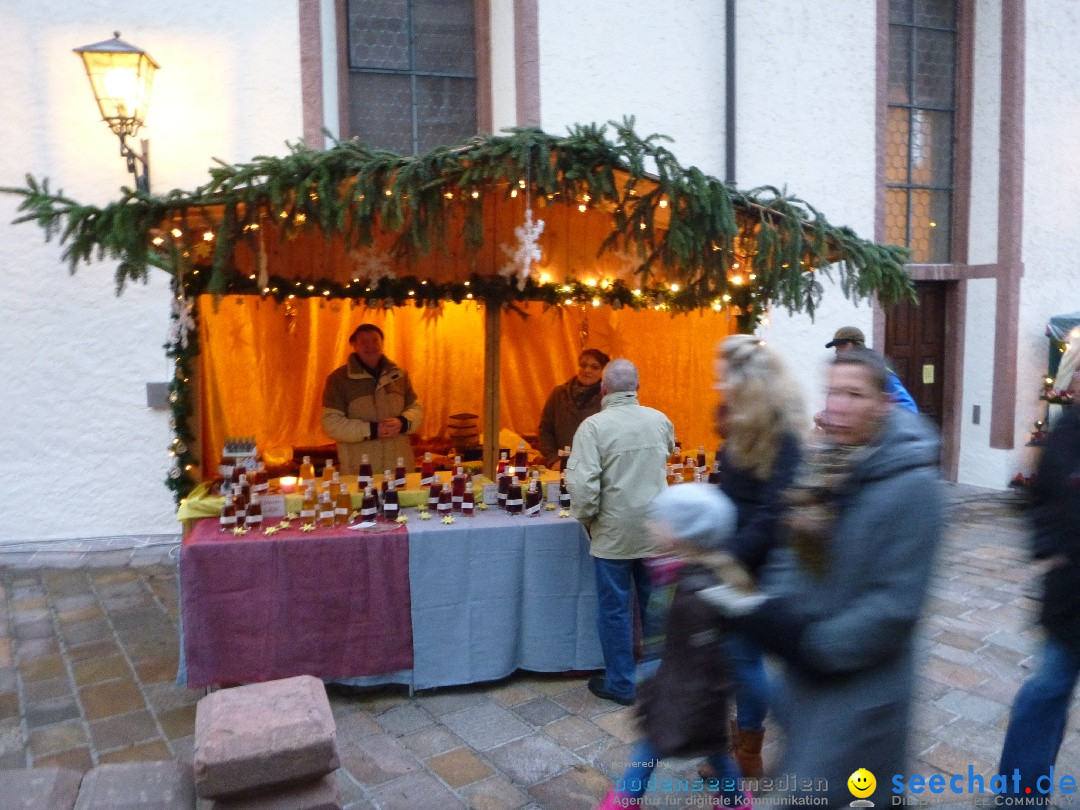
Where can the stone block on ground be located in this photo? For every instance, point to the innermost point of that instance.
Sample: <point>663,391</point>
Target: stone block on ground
<point>39,789</point>
<point>263,735</point>
<point>321,794</point>
<point>143,785</point>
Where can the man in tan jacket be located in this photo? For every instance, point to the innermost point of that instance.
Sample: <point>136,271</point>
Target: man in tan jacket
<point>369,406</point>
<point>616,467</point>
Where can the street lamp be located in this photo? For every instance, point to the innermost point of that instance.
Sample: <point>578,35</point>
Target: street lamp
<point>121,76</point>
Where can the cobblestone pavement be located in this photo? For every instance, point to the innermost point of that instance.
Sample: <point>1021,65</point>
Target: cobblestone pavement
<point>88,656</point>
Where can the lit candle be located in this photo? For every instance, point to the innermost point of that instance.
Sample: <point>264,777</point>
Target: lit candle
<point>287,483</point>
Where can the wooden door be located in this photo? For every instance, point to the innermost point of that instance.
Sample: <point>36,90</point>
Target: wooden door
<point>915,347</point>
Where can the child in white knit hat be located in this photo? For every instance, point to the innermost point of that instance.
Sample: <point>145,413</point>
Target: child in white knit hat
<point>683,708</point>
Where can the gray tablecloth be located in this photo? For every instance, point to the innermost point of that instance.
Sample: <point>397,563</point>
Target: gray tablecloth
<point>496,593</point>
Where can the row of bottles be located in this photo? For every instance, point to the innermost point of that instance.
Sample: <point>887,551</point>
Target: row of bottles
<point>243,506</point>
<point>684,469</point>
<point>458,496</point>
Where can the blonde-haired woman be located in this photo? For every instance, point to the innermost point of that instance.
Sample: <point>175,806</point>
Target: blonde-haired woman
<point>763,420</point>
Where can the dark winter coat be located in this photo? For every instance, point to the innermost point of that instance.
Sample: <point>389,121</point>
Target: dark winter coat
<point>1056,517</point>
<point>562,415</point>
<point>677,708</point>
<point>848,634</point>
<point>759,505</point>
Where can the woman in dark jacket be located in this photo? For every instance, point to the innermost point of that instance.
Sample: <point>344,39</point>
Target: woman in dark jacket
<point>762,419</point>
<point>569,405</point>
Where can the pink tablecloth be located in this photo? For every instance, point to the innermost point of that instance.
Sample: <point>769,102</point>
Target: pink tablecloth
<point>333,603</point>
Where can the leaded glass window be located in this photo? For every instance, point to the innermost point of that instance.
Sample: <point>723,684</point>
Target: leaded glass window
<point>919,127</point>
<point>412,73</point>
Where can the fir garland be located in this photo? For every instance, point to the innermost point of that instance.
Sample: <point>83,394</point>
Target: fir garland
<point>353,191</point>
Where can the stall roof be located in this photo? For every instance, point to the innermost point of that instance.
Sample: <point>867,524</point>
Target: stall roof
<point>623,222</point>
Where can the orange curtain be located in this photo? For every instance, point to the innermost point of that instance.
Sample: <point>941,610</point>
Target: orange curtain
<point>263,364</point>
<point>673,353</point>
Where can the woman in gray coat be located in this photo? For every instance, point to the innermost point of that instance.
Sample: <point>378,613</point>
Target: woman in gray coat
<point>845,593</point>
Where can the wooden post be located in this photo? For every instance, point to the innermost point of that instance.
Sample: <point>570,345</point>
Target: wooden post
<point>492,333</point>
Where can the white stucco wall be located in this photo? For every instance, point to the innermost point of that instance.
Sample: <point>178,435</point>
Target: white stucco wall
<point>76,432</point>
<point>503,69</point>
<point>806,121</point>
<point>659,61</point>
<point>1051,284</point>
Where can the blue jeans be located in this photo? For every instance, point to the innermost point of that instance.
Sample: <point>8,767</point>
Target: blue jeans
<point>751,681</point>
<point>614,623</point>
<point>1039,715</point>
<point>635,781</point>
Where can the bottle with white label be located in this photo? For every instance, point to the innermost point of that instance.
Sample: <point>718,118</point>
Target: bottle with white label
<point>253,518</point>
<point>513,498</point>
<point>390,501</point>
<point>308,505</point>
<point>369,509</point>
<point>326,510</point>
<point>433,492</point>
<point>399,473</point>
<point>307,471</point>
<point>468,500</point>
<point>564,493</point>
<point>343,506</point>
<point>228,514</point>
<point>364,478</point>
<point>532,498</point>
<point>427,471</point>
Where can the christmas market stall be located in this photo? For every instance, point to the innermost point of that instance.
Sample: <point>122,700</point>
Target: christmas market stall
<point>489,266</point>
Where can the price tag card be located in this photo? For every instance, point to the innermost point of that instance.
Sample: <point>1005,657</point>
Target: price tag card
<point>273,506</point>
<point>489,494</point>
<point>553,492</point>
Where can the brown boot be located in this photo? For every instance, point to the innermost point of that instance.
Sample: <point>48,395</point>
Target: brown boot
<point>746,747</point>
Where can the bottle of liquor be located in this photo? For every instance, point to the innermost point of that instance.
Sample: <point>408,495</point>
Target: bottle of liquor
<point>369,509</point>
<point>260,482</point>
<point>308,505</point>
<point>532,498</point>
<point>427,471</point>
<point>714,475</point>
<point>504,462</point>
<point>689,469</point>
<point>328,472</point>
<point>702,463</point>
<point>521,461</point>
<point>307,471</point>
<point>364,478</point>
<point>676,461</point>
<point>468,500</point>
<point>238,469</point>
<point>399,473</point>
<point>671,477</point>
<point>445,504</point>
<point>335,482</point>
<point>228,514</point>
<point>244,488</point>
<point>253,518</point>
<point>513,498</point>
<point>564,493</point>
<point>342,506</point>
<point>433,492</point>
<point>240,501</point>
<point>326,510</point>
<point>390,501</point>
<point>457,489</point>
<point>504,486</point>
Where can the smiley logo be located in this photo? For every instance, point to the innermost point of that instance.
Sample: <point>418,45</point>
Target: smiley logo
<point>861,783</point>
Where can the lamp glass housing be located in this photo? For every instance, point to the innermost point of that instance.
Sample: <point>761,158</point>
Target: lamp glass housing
<point>121,76</point>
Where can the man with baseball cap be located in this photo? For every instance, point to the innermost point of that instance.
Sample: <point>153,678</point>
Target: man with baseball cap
<point>848,336</point>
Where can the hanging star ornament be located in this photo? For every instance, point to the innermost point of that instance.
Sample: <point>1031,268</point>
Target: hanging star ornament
<point>183,322</point>
<point>526,252</point>
<point>371,264</point>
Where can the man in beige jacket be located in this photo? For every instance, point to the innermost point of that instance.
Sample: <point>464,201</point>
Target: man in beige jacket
<point>616,468</point>
<point>369,406</point>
